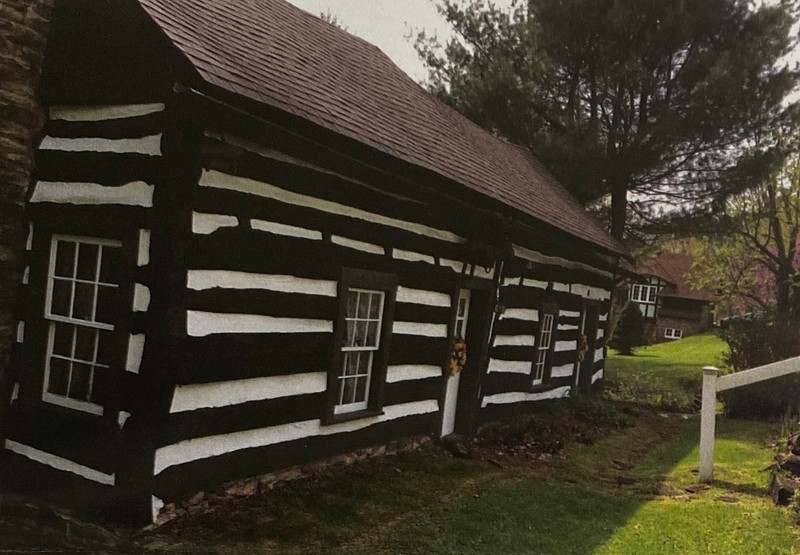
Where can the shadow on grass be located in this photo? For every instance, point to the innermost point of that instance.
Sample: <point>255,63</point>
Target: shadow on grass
<point>589,500</point>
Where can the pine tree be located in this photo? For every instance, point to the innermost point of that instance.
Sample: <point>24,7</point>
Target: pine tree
<point>662,98</point>
<point>629,331</point>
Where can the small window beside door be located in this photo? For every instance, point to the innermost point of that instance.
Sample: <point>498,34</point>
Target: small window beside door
<point>545,342</point>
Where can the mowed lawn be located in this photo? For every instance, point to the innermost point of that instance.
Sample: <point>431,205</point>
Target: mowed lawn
<point>598,498</point>
<point>665,375</point>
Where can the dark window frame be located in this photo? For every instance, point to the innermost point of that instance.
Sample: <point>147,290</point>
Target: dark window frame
<point>352,278</point>
<point>34,349</point>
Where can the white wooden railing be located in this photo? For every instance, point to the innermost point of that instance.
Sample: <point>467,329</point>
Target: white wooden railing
<point>712,385</point>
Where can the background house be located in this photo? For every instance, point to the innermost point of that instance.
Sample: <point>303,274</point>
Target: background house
<point>668,303</point>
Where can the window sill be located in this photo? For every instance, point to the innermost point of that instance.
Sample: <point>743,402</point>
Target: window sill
<point>348,416</point>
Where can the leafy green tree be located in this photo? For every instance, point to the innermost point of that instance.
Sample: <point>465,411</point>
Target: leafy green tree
<point>629,331</point>
<point>661,98</point>
<point>753,261</point>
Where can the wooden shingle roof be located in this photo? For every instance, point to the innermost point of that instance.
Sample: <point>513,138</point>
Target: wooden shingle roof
<point>274,53</point>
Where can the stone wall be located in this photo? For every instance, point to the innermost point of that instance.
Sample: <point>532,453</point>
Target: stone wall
<point>23,31</point>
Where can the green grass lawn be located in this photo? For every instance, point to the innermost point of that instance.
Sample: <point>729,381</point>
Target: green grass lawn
<point>595,498</point>
<point>665,375</point>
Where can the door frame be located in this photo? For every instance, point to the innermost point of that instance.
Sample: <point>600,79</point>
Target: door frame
<point>584,368</point>
<point>481,312</point>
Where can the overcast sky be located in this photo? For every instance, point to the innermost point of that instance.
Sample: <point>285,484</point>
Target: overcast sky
<point>386,23</point>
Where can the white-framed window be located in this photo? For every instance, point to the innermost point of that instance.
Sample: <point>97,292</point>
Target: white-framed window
<point>80,304</point>
<point>644,293</point>
<point>673,333</point>
<point>542,357</point>
<point>364,318</point>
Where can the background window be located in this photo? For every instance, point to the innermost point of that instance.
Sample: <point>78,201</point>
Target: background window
<point>644,293</point>
<point>542,358</point>
<point>82,298</point>
<point>672,333</point>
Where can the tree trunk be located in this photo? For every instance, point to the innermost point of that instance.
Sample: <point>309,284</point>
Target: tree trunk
<point>23,34</point>
<point>619,209</point>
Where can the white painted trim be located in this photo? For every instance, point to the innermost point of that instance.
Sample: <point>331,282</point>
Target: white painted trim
<point>219,180</point>
<point>213,446</point>
<point>567,327</point>
<point>137,193</point>
<point>533,256</point>
<point>420,296</point>
<point>236,392</point>
<point>68,402</point>
<point>286,230</point>
<point>535,283</point>
<point>416,328</point>
<point>357,245</point>
<point>156,505</point>
<point>26,275</point>
<point>562,287</point>
<point>149,145</point>
<point>412,256</point>
<point>143,255</point>
<point>754,375</point>
<point>200,324</point>
<point>597,375</point>
<point>122,418</point>
<point>519,397</point>
<point>59,463</point>
<point>29,240</point>
<point>510,366</point>
<point>514,340</point>
<point>15,392</point>
<point>141,298</point>
<point>564,371</point>
<point>410,372</point>
<point>201,280</point>
<point>570,313</point>
<point>598,354</point>
<point>133,361</point>
<point>206,224</point>
<point>527,314</point>
<point>603,317</point>
<point>565,346</point>
<point>21,332</point>
<point>102,113</point>
<point>457,266</point>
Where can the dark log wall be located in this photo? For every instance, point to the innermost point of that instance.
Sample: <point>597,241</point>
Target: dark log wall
<point>271,234</point>
<point>96,175</point>
<point>530,281</point>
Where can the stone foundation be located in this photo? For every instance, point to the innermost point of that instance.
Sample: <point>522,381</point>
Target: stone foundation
<point>240,489</point>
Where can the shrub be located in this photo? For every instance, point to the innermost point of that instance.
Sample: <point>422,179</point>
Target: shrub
<point>755,343</point>
<point>629,331</point>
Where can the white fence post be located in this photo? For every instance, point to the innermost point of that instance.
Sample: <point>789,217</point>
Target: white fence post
<point>708,417</point>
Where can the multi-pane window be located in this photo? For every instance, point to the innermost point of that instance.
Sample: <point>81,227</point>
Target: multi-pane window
<point>672,333</point>
<point>362,340</point>
<point>80,306</point>
<point>644,293</point>
<point>543,345</point>
<point>362,334</point>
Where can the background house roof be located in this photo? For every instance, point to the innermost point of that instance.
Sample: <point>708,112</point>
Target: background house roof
<point>274,53</point>
<point>673,267</point>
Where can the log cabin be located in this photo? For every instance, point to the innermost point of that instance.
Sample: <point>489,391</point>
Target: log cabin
<point>255,242</point>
